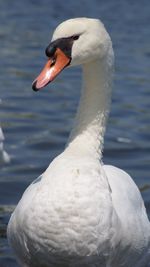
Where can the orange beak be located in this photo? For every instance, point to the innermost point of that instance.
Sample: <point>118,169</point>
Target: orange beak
<point>51,69</point>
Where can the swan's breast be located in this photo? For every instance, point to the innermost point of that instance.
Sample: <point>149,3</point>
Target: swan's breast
<point>66,212</point>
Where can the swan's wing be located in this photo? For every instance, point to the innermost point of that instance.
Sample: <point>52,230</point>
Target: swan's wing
<point>129,206</point>
<point>125,194</point>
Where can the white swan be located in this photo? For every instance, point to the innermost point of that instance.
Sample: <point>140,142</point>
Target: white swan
<point>80,212</point>
<point>4,157</point>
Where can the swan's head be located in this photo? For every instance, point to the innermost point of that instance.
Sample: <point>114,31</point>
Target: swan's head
<point>74,42</point>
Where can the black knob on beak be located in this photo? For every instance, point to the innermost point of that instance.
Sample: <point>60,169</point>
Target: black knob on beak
<point>50,50</point>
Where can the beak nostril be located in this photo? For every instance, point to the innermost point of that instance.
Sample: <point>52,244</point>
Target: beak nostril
<point>53,61</point>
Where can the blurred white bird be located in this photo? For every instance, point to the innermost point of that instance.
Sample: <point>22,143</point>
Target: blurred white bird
<point>4,157</point>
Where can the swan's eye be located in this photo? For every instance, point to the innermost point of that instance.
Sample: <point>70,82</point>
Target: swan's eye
<point>75,37</point>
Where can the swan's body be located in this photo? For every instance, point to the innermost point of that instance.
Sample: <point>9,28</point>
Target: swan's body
<point>80,212</point>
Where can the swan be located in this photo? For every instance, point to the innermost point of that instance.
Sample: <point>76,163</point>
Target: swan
<point>80,212</point>
<point>4,157</point>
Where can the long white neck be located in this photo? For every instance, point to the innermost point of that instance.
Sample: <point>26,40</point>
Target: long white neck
<point>86,138</point>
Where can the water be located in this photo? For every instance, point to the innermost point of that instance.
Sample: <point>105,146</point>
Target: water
<point>36,125</point>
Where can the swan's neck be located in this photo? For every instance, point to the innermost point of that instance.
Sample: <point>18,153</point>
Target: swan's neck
<point>86,138</point>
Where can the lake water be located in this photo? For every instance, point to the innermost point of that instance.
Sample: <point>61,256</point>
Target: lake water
<point>36,125</point>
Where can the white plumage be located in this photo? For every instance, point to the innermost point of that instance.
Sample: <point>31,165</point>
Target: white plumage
<point>80,212</point>
<point>4,157</point>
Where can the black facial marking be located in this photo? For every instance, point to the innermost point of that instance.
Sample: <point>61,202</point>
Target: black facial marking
<point>65,44</point>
